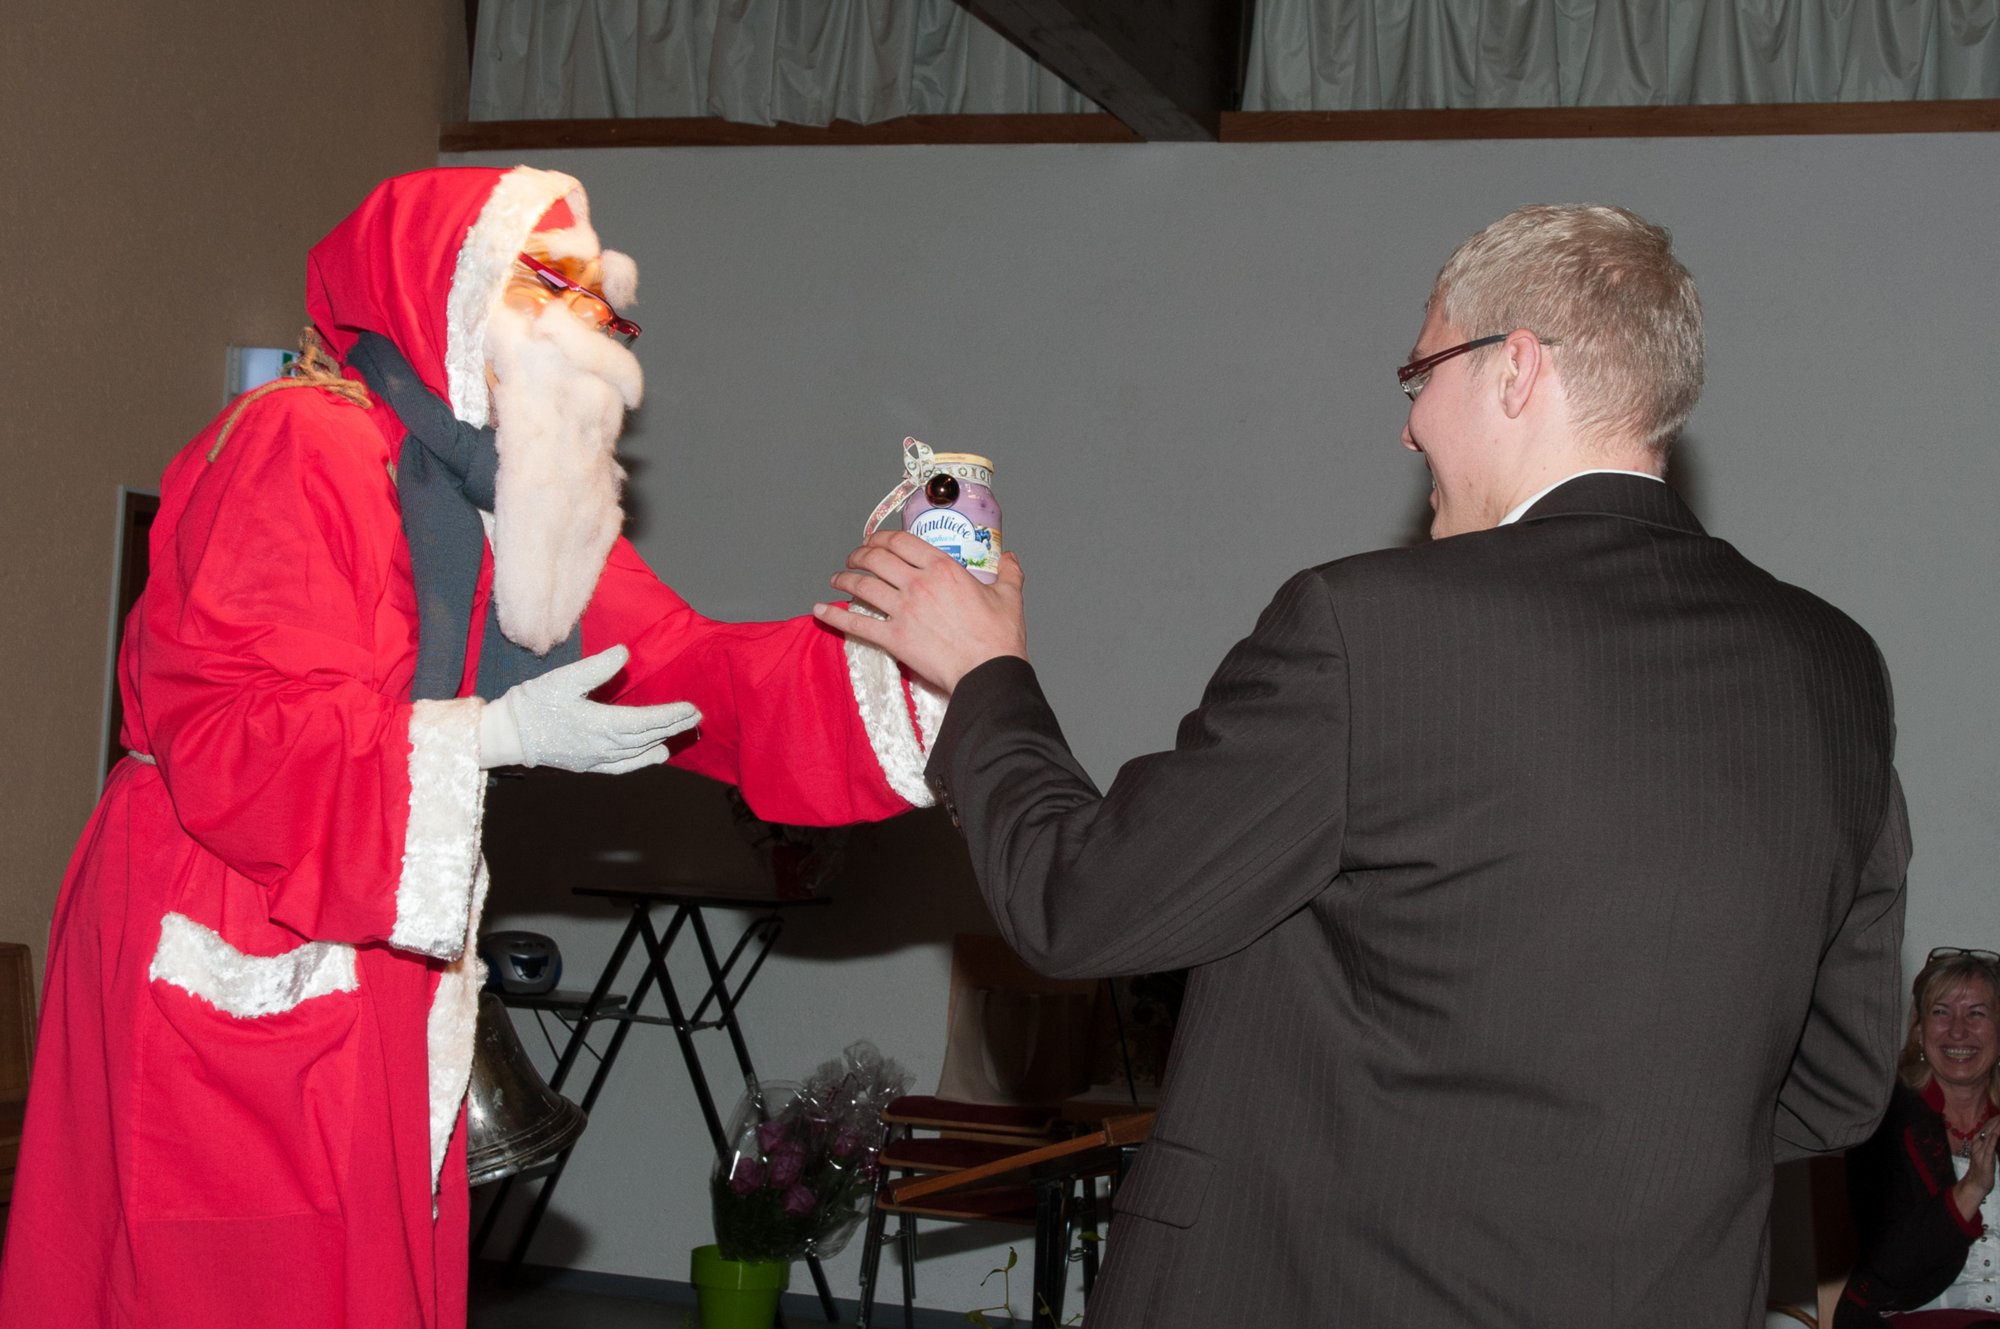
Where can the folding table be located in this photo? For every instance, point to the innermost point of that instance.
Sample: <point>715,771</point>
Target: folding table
<point>582,1010</point>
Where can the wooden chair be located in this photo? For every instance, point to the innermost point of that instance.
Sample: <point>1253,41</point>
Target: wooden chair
<point>1833,1241</point>
<point>17,1045</point>
<point>1050,1174</point>
<point>1017,1046</point>
<point>1833,1230</point>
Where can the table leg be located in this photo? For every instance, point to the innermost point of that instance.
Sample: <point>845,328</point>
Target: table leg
<point>765,929</point>
<point>683,1029</point>
<point>825,1292</point>
<point>597,995</point>
<point>492,1217</point>
<point>564,1062</point>
<point>1051,1252</point>
<point>719,991</point>
<point>597,1079</point>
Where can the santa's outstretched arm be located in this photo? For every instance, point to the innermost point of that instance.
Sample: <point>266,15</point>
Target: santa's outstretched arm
<point>814,730</point>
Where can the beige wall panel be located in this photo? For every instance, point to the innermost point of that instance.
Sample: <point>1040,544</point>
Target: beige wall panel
<point>166,168</point>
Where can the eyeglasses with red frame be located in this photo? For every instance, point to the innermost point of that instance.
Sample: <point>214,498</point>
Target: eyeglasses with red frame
<point>1413,376</point>
<point>611,323</point>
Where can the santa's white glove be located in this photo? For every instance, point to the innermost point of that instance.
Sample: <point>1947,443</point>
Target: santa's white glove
<point>551,721</point>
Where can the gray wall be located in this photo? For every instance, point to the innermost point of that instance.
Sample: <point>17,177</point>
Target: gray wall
<point>1179,357</point>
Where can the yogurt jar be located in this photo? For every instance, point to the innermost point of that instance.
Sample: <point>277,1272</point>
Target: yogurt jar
<point>946,499</point>
<point>956,512</point>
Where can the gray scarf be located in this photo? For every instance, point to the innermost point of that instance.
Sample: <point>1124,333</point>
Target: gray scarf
<point>444,479</point>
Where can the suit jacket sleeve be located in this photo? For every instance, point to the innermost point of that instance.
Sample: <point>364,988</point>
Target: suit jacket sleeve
<point>1841,1074</point>
<point>1191,854</point>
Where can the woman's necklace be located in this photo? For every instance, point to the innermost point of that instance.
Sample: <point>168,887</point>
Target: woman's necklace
<point>1961,1140</point>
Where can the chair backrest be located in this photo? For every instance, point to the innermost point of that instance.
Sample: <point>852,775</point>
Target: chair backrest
<point>17,1020</point>
<point>1833,1230</point>
<point>17,1046</point>
<point>1812,1238</point>
<point>1012,1035</point>
<point>1090,1153</point>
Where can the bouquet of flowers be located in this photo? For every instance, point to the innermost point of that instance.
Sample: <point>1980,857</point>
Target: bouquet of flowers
<point>802,1163</point>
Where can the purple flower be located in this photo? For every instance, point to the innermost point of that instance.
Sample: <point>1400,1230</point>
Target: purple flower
<point>787,1161</point>
<point>846,1142</point>
<point>747,1176</point>
<point>769,1133</point>
<point>799,1201</point>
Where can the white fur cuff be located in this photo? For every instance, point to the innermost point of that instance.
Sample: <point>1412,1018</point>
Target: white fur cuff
<point>441,844</point>
<point>198,961</point>
<point>885,715</point>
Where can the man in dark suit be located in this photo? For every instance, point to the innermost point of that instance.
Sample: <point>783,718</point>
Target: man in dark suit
<point>1540,885</point>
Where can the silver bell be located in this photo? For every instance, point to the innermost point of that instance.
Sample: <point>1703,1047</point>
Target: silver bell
<point>513,1120</point>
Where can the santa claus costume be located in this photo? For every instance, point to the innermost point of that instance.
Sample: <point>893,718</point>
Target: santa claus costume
<point>257,1023</point>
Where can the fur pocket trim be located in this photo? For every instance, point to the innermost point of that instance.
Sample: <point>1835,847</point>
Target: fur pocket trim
<point>198,961</point>
<point>441,844</point>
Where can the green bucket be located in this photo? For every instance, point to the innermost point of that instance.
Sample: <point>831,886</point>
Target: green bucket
<point>738,1294</point>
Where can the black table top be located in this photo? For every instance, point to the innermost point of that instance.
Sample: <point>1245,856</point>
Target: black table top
<point>718,897</point>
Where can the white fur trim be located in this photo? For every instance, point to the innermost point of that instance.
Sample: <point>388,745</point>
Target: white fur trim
<point>578,241</point>
<point>480,274</point>
<point>619,274</point>
<point>197,960</point>
<point>450,1028</point>
<point>441,844</point>
<point>885,715</point>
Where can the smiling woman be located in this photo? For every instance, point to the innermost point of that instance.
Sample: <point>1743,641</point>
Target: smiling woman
<point>1955,1038</point>
<point>1922,1188</point>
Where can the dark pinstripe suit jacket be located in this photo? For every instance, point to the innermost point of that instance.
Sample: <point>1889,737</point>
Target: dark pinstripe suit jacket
<point>1539,885</point>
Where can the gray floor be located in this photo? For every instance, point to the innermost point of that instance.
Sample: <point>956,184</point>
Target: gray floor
<point>555,1306</point>
<point>572,1299</point>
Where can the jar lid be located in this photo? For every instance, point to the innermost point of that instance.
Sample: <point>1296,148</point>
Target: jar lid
<point>964,465</point>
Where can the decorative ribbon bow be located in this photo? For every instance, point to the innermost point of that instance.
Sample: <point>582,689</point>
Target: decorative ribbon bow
<point>919,465</point>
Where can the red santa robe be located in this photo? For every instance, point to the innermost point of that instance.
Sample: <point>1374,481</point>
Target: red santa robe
<point>246,1106</point>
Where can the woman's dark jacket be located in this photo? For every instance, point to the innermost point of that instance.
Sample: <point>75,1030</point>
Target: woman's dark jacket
<point>1911,1239</point>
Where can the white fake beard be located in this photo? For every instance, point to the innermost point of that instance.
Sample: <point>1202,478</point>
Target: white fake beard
<point>560,394</point>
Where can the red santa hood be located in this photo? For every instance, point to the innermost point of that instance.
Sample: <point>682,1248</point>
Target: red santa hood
<point>423,260</point>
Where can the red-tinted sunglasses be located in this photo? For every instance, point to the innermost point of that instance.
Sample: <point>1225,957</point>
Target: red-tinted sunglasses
<point>555,281</point>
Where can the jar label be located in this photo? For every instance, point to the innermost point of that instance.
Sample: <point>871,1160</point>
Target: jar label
<point>975,547</point>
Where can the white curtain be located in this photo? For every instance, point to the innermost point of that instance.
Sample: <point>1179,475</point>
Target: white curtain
<point>1344,55</point>
<point>755,61</point>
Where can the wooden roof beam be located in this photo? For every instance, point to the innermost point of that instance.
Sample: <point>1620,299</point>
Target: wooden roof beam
<point>1167,68</point>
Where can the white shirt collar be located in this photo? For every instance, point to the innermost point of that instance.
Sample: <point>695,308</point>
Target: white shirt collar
<point>1537,497</point>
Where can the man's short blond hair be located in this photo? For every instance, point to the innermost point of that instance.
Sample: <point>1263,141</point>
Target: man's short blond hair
<point>1602,285</point>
